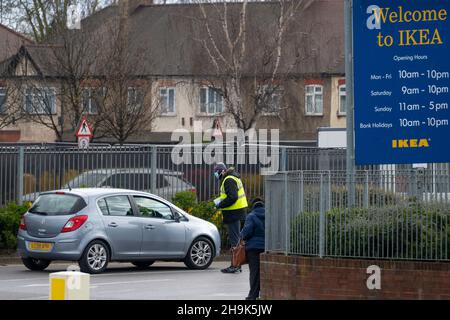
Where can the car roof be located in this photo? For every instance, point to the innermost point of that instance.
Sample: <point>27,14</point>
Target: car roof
<point>96,192</point>
<point>132,170</point>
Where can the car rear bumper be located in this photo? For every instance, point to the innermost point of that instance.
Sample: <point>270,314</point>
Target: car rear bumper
<point>62,249</point>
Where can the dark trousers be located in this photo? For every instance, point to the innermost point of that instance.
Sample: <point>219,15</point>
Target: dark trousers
<point>253,264</point>
<point>234,230</point>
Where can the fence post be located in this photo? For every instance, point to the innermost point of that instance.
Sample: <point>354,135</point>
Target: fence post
<point>366,190</point>
<point>286,214</point>
<point>20,174</point>
<point>301,195</point>
<point>322,206</point>
<point>153,169</point>
<point>283,164</point>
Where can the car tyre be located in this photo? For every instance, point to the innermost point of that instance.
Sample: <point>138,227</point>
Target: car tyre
<point>35,264</point>
<point>200,254</point>
<point>143,264</point>
<point>95,258</point>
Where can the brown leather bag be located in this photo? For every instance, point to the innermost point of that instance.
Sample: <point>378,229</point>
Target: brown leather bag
<point>238,255</point>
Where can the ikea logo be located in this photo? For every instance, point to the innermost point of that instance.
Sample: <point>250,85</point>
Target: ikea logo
<point>410,143</point>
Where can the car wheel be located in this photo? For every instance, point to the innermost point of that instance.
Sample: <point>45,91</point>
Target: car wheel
<point>200,254</point>
<point>95,258</point>
<point>143,264</point>
<point>35,264</point>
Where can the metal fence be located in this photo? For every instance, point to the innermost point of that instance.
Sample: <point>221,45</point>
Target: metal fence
<point>27,170</point>
<point>397,214</point>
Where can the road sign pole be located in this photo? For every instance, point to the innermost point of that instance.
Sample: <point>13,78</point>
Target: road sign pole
<point>349,85</point>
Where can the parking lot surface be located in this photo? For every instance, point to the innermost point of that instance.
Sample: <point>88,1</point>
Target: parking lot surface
<point>122,281</point>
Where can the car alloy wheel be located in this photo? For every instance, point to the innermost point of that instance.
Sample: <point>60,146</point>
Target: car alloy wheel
<point>95,258</point>
<point>201,253</point>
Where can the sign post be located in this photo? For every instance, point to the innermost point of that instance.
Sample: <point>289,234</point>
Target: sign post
<point>84,134</point>
<point>401,81</point>
<point>350,162</point>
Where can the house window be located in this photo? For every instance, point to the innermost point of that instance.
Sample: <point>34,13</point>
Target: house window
<point>342,98</point>
<point>135,99</point>
<point>273,103</point>
<point>167,100</point>
<point>40,101</point>
<point>314,100</point>
<point>2,99</point>
<point>211,101</point>
<point>91,99</point>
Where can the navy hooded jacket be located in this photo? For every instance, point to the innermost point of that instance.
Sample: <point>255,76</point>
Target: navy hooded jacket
<point>253,232</point>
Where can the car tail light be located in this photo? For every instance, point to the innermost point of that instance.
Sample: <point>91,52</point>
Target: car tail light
<point>22,225</point>
<point>74,223</point>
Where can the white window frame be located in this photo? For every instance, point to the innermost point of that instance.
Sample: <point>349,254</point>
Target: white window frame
<point>215,104</point>
<point>317,90</point>
<point>3,97</point>
<point>342,90</point>
<point>91,90</point>
<point>165,97</point>
<point>34,96</point>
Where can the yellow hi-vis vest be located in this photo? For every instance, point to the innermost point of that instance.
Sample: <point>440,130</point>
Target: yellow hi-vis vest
<point>241,202</point>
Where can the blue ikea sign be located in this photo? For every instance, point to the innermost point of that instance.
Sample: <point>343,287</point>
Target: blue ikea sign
<point>401,81</point>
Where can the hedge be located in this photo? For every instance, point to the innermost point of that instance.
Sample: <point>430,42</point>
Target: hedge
<point>414,231</point>
<point>9,224</point>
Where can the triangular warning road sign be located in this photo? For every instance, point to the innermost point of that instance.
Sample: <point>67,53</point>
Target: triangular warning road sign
<point>84,130</point>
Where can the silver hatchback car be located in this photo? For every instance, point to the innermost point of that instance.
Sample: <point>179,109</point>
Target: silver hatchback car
<point>96,226</point>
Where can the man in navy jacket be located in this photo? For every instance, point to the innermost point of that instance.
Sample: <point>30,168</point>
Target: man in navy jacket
<point>253,234</point>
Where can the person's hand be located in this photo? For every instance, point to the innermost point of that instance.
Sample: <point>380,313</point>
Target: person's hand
<point>217,202</point>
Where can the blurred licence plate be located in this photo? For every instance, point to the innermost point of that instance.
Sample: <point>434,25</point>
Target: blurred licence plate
<point>41,246</point>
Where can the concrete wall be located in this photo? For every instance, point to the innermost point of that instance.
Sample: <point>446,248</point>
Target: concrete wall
<point>313,278</point>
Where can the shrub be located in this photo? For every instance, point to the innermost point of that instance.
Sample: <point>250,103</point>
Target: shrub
<point>207,211</point>
<point>414,231</point>
<point>9,224</point>
<point>185,200</point>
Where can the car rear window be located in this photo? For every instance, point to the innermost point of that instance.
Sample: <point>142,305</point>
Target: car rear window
<point>57,204</point>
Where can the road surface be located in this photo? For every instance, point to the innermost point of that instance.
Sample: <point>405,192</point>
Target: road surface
<point>122,281</point>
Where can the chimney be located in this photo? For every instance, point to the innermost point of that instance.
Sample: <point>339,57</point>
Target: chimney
<point>132,5</point>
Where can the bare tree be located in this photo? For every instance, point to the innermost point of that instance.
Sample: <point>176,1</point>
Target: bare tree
<point>41,19</point>
<point>127,105</point>
<point>10,103</point>
<point>53,82</point>
<point>251,59</point>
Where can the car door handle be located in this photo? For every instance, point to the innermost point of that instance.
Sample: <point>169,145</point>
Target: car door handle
<point>149,227</point>
<point>113,224</point>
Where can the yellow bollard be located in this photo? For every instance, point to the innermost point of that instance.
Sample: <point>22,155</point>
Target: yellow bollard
<point>69,285</point>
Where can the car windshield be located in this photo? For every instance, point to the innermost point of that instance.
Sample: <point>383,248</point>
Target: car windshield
<point>56,204</point>
<point>86,180</point>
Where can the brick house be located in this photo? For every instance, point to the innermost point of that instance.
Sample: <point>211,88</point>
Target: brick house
<point>312,94</point>
<point>10,42</point>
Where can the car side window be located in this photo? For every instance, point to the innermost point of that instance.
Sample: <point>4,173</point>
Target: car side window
<point>118,206</point>
<point>103,207</point>
<point>153,209</point>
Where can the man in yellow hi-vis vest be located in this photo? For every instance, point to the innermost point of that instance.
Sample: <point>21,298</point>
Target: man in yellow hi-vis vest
<point>232,202</point>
